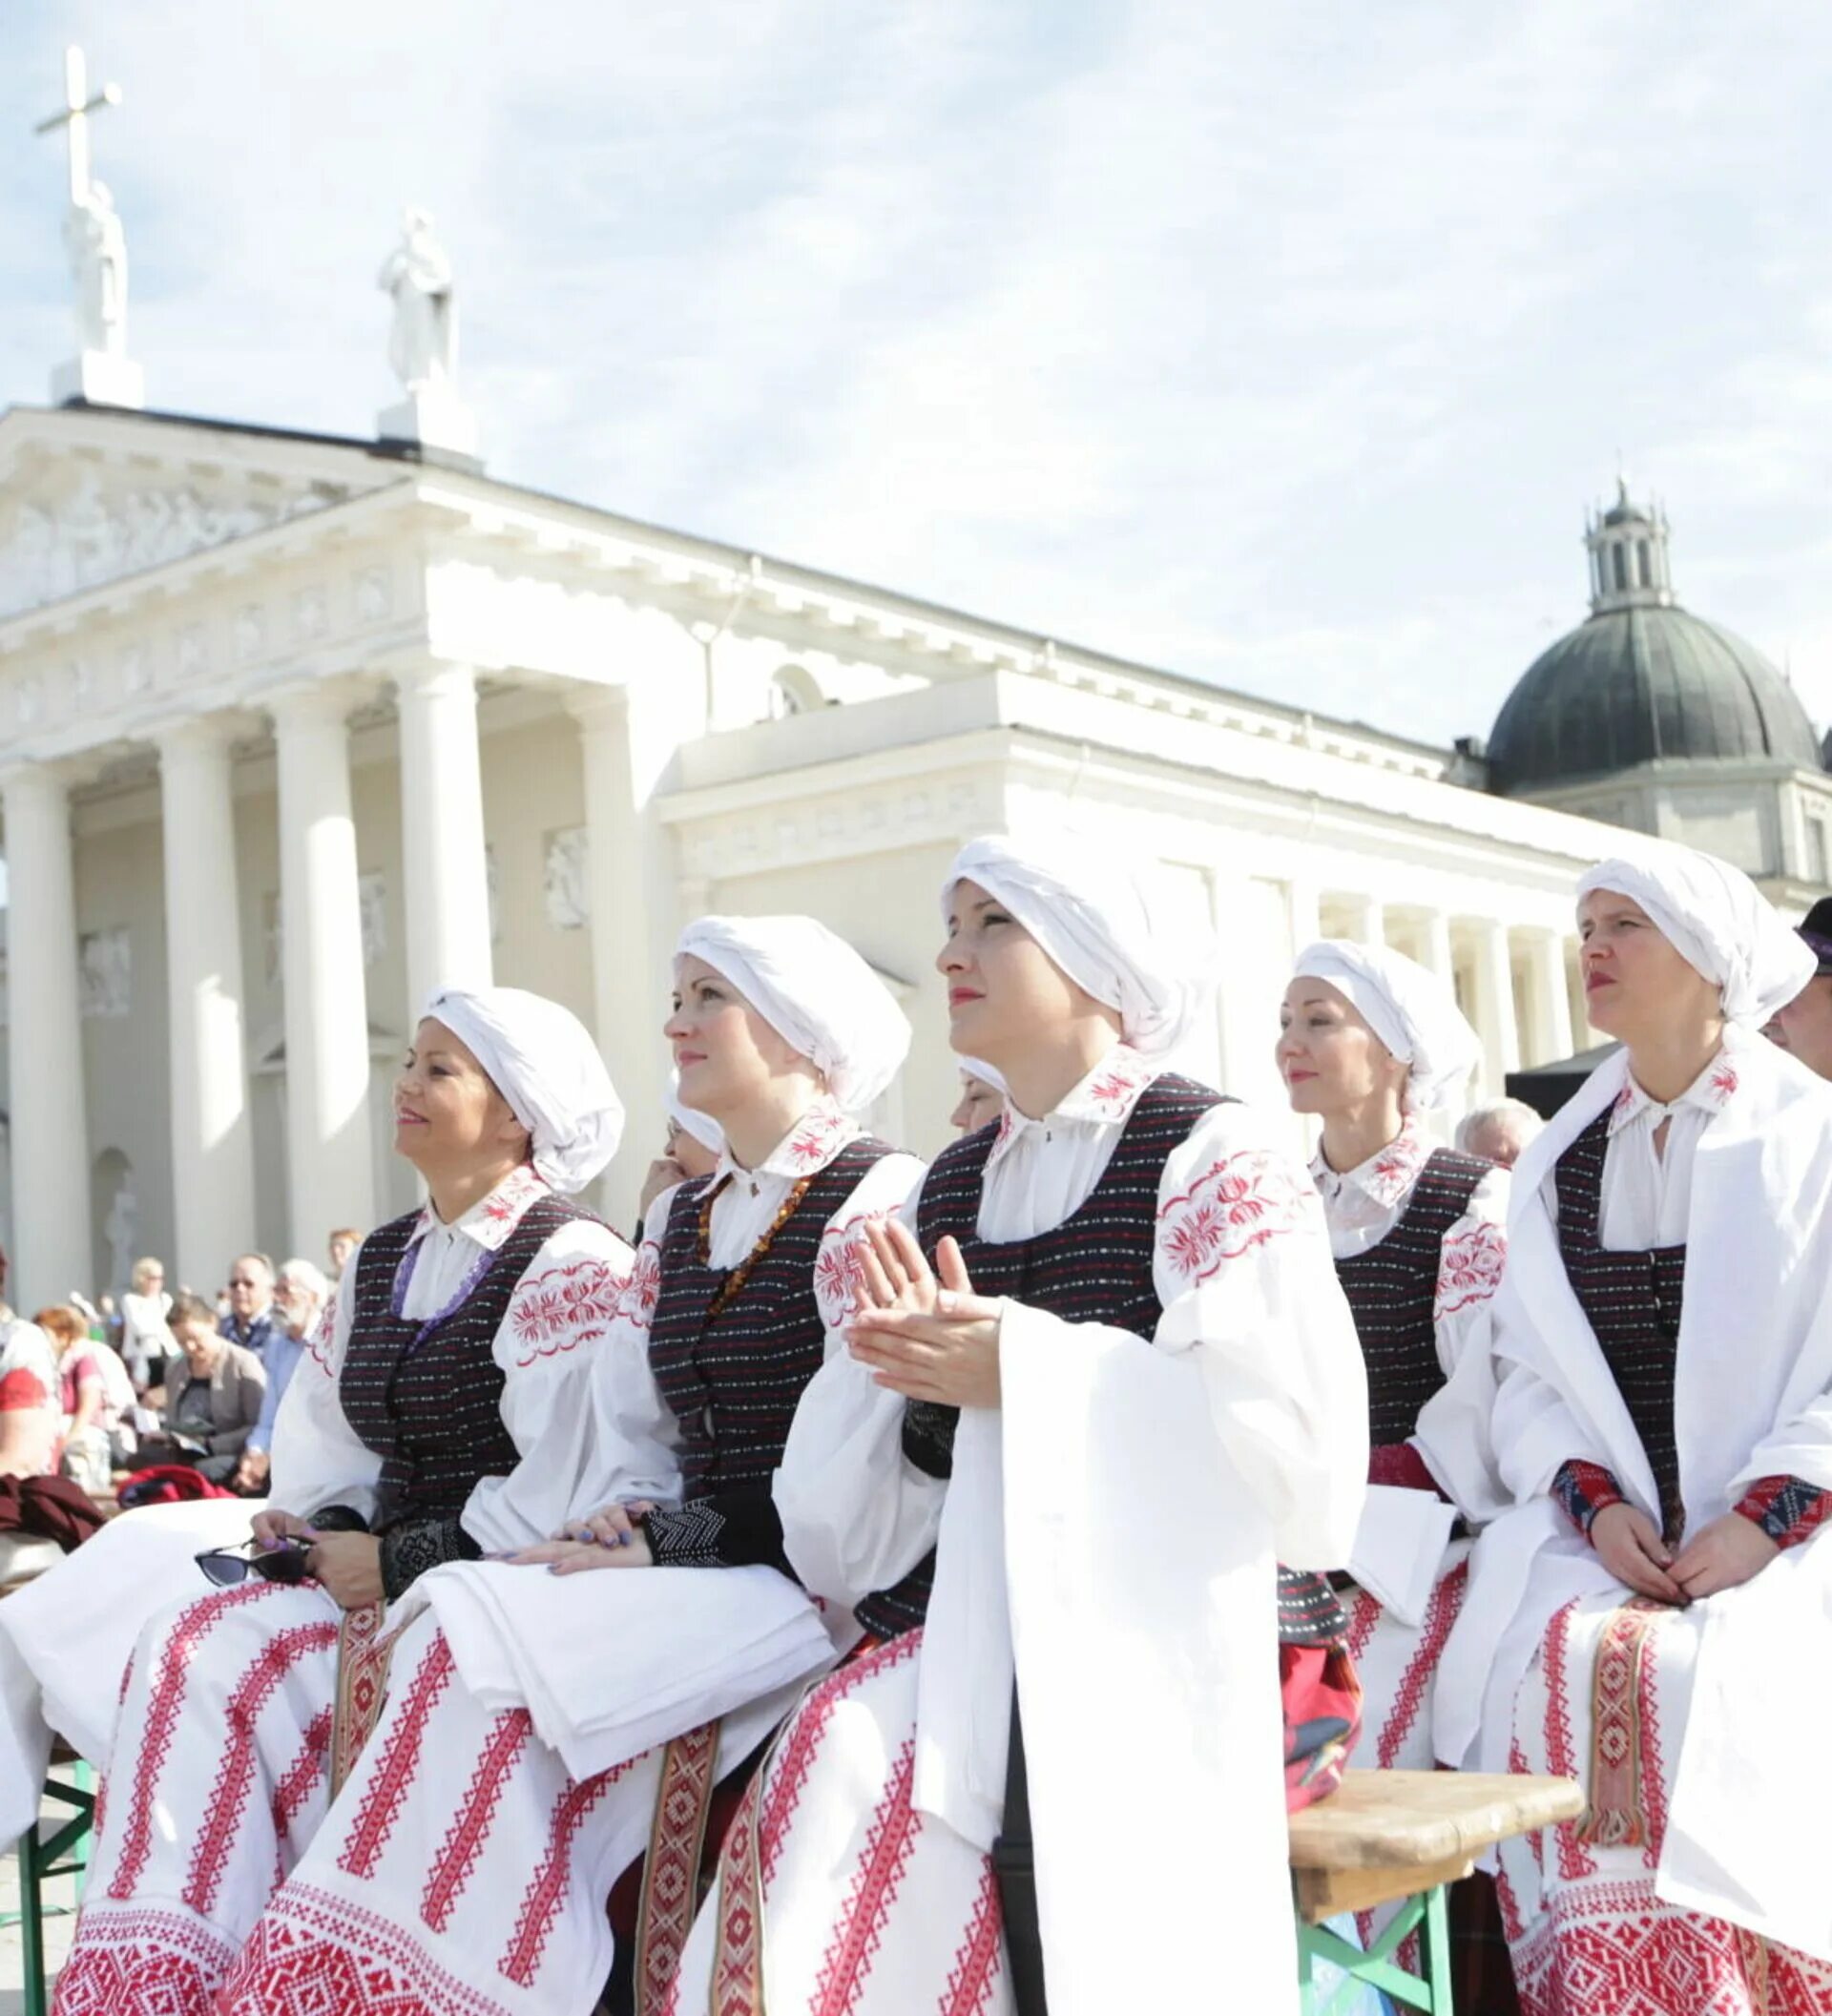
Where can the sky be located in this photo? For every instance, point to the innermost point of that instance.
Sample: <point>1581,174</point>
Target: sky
<point>1283,346</point>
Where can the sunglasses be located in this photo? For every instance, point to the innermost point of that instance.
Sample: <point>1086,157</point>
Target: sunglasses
<point>229,1565</point>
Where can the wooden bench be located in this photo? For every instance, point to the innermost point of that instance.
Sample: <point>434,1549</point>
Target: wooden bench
<point>1403,1837</point>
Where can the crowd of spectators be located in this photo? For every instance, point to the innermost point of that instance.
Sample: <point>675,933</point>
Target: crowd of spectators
<point>95,1392</point>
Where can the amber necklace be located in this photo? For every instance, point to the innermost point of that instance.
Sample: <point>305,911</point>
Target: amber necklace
<point>735,1280</point>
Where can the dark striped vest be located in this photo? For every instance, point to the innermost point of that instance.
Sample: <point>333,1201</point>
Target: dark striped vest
<point>426,1395</point>
<point>1633,1301</point>
<point>1095,1267</point>
<point>733,1382</point>
<point>1392,1289</point>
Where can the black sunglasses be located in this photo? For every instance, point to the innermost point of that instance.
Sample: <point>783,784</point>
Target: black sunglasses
<point>228,1566</point>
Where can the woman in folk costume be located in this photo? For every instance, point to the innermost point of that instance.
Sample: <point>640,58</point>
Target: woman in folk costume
<point>1647,1612</point>
<point>1108,1459</point>
<point>544,1728</point>
<point>460,1340</point>
<point>1368,1042</point>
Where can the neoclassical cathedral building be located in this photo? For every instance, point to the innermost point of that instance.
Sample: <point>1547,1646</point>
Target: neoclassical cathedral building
<point>294,727</point>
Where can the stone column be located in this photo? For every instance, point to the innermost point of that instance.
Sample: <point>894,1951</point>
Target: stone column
<point>634,902</point>
<point>54,1250</point>
<point>1370,920</point>
<point>1438,956</point>
<point>446,897</point>
<point>213,1150</point>
<point>1495,986</point>
<point>1551,998</point>
<point>329,1167</point>
<point>1303,913</point>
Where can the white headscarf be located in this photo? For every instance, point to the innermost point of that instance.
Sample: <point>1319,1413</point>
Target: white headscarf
<point>1088,913</point>
<point>1718,921</point>
<point>1412,1012</point>
<point>703,1128</point>
<point>540,1058</point>
<point>986,1073</point>
<point>816,992</point>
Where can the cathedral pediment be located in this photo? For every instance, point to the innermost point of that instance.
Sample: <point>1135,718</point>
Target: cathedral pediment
<point>86,500</point>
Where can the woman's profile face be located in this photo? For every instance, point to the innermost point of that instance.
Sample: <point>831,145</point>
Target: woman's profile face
<point>1003,987</point>
<point>1636,983</point>
<point>725,1051</point>
<point>688,1152</point>
<point>448,1113</point>
<point>980,1104</point>
<point>1329,1058</point>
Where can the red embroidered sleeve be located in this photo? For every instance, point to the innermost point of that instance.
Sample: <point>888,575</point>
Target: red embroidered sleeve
<point>1238,1203</point>
<point>1400,1464</point>
<point>1584,1489</point>
<point>1471,1264</point>
<point>1788,1510</point>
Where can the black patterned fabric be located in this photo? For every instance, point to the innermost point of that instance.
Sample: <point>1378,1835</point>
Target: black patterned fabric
<point>427,1397</point>
<point>1095,1267</point>
<point>1633,1301</point>
<point>1392,1290</point>
<point>732,1379</point>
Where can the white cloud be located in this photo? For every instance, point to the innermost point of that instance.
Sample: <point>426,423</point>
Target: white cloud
<point>1282,345</point>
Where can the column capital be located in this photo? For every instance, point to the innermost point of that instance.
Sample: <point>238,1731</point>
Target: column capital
<point>180,734</point>
<point>313,703</point>
<point>435,677</point>
<point>40,779</point>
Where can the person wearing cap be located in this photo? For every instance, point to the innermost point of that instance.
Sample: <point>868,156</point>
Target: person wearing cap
<point>1102,1381</point>
<point>1803,1026</point>
<point>426,1423</point>
<point>1651,1609</point>
<point>580,1703</point>
<point>1372,1044</point>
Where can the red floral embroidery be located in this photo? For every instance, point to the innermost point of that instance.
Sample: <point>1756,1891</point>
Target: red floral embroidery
<point>1625,1098</point>
<point>1114,1089</point>
<point>815,1138</point>
<point>1471,1264</point>
<point>1723,1082</point>
<point>324,1338</point>
<point>510,1198</point>
<point>839,1268</point>
<point>1243,1200</point>
<point>643,1289</point>
<point>1395,1169</point>
<point>564,1308</point>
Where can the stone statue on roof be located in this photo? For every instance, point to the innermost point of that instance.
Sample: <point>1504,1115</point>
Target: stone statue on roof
<point>97,248</point>
<point>423,342</point>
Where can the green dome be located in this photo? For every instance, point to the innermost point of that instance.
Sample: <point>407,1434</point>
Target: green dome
<point>1642,684</point>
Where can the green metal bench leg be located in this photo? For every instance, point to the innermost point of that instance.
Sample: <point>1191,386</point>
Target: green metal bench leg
<point>1429,1913</point>
<point>63,1851</point>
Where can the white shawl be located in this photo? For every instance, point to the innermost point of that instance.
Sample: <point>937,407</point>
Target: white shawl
<point>1754,1399</point>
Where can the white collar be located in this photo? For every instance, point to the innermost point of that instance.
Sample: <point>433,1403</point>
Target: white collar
<point>1104,1097</point>
<point>1386,1177</point>
<point>814,1140</point>
<point>1711,1092</point>
<point>489,1221</point>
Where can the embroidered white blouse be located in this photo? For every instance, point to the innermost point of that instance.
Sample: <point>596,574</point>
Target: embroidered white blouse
<point>1235,1436</point>
<point>1241,1266</point>
<point>1647,1195</point>
<point>633,1432</point>
<point>1364,1204</point>
<point>558,1320</point>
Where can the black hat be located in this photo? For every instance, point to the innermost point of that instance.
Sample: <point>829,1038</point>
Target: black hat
<point>1817,931</point>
